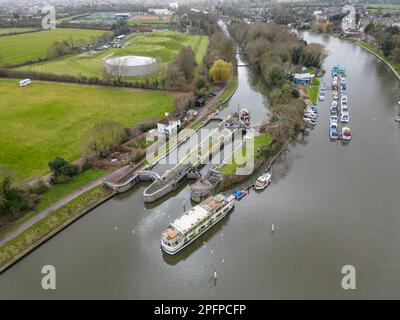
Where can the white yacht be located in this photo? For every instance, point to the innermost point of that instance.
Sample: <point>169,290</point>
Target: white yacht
<point>195,222</point>
<point>263,181</point>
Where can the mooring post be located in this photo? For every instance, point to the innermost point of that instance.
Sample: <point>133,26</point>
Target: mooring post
<point>215,278</point>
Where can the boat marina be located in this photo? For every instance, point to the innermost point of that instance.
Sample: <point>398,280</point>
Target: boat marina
<point>339,109</point>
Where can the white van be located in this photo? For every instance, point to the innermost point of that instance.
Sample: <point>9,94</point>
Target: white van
<point>25,82</point>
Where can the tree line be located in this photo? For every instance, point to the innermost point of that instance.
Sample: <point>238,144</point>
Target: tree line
<point>387,39</point>
<point>275,53</point>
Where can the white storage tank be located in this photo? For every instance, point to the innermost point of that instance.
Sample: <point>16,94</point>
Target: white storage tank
<point>131,66</point>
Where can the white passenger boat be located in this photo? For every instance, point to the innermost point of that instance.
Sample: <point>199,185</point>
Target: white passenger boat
<point>263,181</point>
<point>195,222</point>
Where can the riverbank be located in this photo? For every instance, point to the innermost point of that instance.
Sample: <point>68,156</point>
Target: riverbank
<point>393,66</point>
<point>52,199</point>
<point>47,227</point>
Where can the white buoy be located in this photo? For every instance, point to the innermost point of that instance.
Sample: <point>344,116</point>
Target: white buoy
<point>116,228</point>
<point>273,228</point>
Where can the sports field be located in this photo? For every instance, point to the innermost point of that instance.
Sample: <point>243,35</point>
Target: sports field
<point>4,31</point>
<point>17,49</point>
<point>152,19</point>
<point>44,119</point>
<point>164,46</point>
<point>382,7</point>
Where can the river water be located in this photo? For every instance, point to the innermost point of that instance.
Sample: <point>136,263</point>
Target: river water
<point>331,204</point>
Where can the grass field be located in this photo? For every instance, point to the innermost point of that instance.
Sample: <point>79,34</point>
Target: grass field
<point>151,19</point>
<point>313,90</point>
<point>163,46</point>
<point>382,7</point>
<point>44,120</point>
<point>20,48</point>
<point>14,30</point>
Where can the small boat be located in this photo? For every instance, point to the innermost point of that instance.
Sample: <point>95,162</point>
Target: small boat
<point>313,109</point>
<point>310,115</point>
<point>311,121</point>
<point>345,117</point>
<point>346,134</point>
<point>333,119</point>
<point>344,108</point>
<point>333,109</point>
<point>239,194</point>
<point>333,134</point>
<point>321,96</point>
<point>245,117</point>
<point>397,117</point>
<point>333,131</point>
<point>335,71</point>
<point>263,181</point>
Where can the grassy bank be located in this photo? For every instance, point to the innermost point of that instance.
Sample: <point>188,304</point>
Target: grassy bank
<point>44,120</point>
<point>163,46</point>
<point>230,89</point>
<point>312,90</point>
<point>242,153</point>
<point>378,52</point>
<point>55,193</point>
<point>20,48</point>
<point>48,224</point>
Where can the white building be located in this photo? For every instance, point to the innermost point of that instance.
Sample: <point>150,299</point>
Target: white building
<point>168,125</point>
<point>160,12</point>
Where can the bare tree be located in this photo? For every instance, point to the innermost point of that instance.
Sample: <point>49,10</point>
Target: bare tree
<point>113,69</point>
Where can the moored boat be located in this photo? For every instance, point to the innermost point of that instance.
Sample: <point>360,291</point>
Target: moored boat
<point>194,223</point>
<point>346,134</point>
<point>239,194</point>
<point>263,181</point>
<point>397,117</point>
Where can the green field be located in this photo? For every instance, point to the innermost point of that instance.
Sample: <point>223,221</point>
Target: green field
<point>14,30</point>
<point>382,7</point>
<point>163,46</point>
<point>20,48</point>
<point>313,90</point>
<point>44,120</point>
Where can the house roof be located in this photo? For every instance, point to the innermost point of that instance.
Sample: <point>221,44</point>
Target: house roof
<point>303,76</point>
<point>166,120</point>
